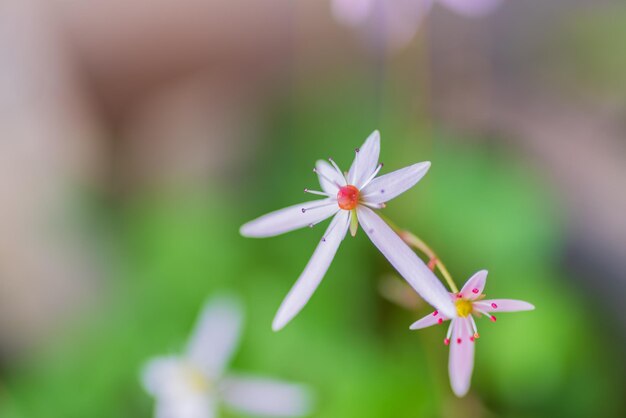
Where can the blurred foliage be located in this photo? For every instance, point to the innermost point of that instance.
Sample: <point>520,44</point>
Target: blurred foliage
<point>479,207</point>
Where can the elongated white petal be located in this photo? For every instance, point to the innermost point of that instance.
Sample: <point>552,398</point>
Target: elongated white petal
<point>429,320</point>
<point>314,271</point>
<point>164,377</point>
<point>216,335</point>
<point>265,397</point>
<point>365,161</point>
<point>386,187</point>
<point>474,8</point>
<point>461,362</point>
<point>406,262</point>
<point>289,219</point>
<point>330,179</point>
<point>474,286</point>
<point>503,305</point>
<point>192,406</point>
<point>179,389</point>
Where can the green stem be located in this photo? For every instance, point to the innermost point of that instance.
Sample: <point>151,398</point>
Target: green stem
<point>433,261</point>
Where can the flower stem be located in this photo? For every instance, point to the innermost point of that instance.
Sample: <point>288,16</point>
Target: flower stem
<point>433,261</point>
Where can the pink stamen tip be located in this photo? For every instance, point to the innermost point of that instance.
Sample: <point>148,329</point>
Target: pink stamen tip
<point>440,321</point>
<point>494,306</point>
<point>435,313</point>
<point>474,290</point>
<point>446,341</point>
<point>458,341</point>
<point>493,318</point>
<point>472,339</point>
<point>459,296</point>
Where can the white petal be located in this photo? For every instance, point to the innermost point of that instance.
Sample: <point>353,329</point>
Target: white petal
<point>314,271</point>
<point>164,377</point>
<point>195,406</point>
<point>289,219</point>
<point>352,12</point>
<point>386,187</point>
<point>365,161</point>
<point>266,397</point>
<point>474,286</point>
<point>327,172</point>
<point>406,262</point>
<point>216,335</point>
<point>461,362</point>
<point>429,320</point>
<point>474,8</point>
<point>503,305</point>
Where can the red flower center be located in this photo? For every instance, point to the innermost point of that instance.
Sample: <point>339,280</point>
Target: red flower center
<point>348,197</point>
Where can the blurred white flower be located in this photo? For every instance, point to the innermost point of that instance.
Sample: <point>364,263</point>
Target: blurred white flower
<point>192,385</point>
<point>462,332</point>
<point>398,20</point>
<point>349,199</point>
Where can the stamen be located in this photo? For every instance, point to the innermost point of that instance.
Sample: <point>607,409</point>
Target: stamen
<point>446,341</point>
<point>494,306</point>
<point>475,291</point>
<point>475,307</point>
<point>325,177</point>
<point>440,321</point>
<point>474,328</point>
<point>435,313</point>
<point>449,333</point>
<point>373,175</point>
<point>337,168</point>
<point>317,193</point>
<point>356,165</point>
<point>317,206</point>
<point>458,341</point>
<point>493,318</point>
<point>374,205</point>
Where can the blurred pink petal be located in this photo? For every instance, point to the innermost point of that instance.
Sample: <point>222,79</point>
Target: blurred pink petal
<point>352,12</point>
<point>472,8</point>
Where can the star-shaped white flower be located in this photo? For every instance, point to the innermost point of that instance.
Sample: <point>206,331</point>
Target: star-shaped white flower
<point>400,19</point>
<point>349,199</point>
<point>192,385</point>
<point>462,332</point>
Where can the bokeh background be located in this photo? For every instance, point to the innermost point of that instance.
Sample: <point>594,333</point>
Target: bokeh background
<point>136,137</point>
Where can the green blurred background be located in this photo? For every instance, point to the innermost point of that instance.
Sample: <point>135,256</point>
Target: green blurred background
<point>523,183</point>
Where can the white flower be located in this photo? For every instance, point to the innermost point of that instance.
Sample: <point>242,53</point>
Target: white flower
<point>462,332</point>
<point>399,20</point>
<point>192,385</point>
<point>349,199</point>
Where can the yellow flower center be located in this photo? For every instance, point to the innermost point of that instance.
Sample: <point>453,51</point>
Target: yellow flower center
<point>463,307</point>
<point>196,379</point>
